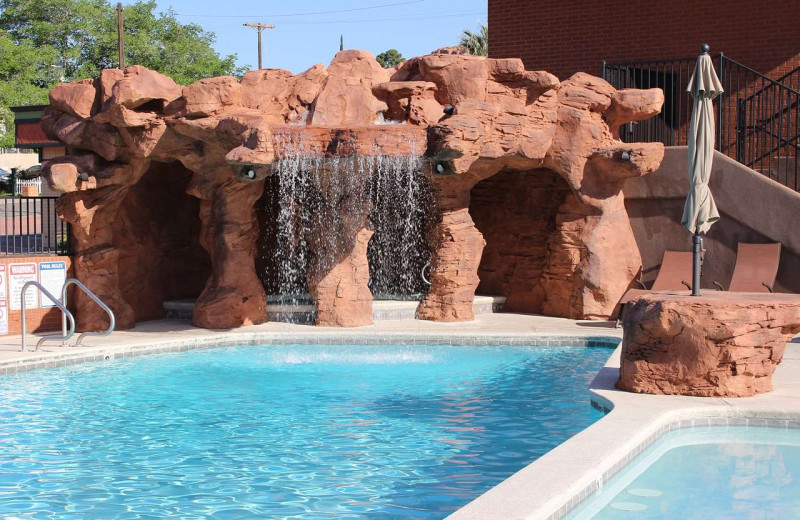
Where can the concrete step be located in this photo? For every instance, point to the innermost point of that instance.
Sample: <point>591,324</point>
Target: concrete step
<point>306,314</point>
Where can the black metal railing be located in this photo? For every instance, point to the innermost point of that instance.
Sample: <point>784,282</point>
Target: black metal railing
<point>791,79</point>
<point>758,118</point>
<point>768,128</point>
<point>30,226</point>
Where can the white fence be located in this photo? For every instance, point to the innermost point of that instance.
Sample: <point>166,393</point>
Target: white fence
<point>27,182</point>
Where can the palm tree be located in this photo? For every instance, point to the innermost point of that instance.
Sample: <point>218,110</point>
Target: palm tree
<point>476,42</point>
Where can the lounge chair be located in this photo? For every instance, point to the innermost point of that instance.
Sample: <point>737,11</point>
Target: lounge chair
<point>674,275</point>
<point>756,268</point>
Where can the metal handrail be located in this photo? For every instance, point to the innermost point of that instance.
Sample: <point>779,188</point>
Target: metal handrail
<point>98,301</point>
<point>782,143</point>
<point>65,314</point>
<point>781,80</point>
<point>771,83</point>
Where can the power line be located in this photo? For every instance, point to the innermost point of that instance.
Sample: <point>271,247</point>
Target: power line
<point>387,19</point>
<point>310,13</point>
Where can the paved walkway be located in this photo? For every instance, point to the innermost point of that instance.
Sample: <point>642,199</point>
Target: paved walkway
<point>164,335</point>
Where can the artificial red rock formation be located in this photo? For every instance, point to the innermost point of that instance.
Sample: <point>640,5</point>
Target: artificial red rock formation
<point>339,273</point>
<point>510,119</point>
<point>228,134</point>
<point>346,97</point>
<point>718,344</point>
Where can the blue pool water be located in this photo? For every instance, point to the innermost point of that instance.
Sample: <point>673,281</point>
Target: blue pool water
<point>711,473</point>
<point>300,432</point>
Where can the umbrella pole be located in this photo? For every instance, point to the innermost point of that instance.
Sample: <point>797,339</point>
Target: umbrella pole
<point>697,246</point>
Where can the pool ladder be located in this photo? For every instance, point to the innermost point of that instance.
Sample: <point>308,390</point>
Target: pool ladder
<point>67,319</point>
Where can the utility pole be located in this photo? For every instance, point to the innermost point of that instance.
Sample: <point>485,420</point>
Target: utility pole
<point>120,43</point>
<point>260,27</point>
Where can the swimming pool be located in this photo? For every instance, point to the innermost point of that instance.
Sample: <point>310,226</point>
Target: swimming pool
<point>291,431</point>
<point>706,473</point>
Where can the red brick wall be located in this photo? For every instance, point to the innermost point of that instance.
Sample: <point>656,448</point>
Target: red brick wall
<point>576,35</point>
<point>38,319</point>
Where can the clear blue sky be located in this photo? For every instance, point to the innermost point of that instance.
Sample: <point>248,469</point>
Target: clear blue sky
<point>307,31</point>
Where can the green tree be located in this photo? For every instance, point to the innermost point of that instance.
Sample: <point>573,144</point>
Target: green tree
<point>390,58</point>
<point>26,76</point>
<point>44,41</point>
<point>476,42</point>
<point>84,33</point>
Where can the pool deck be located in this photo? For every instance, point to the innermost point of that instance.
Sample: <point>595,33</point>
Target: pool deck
<point>544,490</point>
<point>167,335</point>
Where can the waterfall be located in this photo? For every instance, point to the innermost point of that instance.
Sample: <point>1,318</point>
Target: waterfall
<point>401,209</point>
<point>315,198</point>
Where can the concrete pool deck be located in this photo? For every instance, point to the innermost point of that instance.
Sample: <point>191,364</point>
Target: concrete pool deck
<point>166,335</point>
<point>547,488</point>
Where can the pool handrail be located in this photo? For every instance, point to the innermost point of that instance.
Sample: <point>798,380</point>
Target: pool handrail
<point>65,315</point>
<point>98,301</point>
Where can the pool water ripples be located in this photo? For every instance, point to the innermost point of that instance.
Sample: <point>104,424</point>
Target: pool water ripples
<point>294,431</point>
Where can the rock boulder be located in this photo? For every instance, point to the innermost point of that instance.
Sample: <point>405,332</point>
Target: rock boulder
<point>719,344</point>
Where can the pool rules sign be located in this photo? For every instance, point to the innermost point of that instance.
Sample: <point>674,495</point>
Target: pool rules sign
<point>52,276</point>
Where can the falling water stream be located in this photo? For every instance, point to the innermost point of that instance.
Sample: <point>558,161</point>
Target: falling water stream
<point>318,201</point>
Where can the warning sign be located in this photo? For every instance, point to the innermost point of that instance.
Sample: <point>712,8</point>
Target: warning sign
<point>52,276</point>
<point>3,317</point>
<point>3,282</point>
<point>18,276</point>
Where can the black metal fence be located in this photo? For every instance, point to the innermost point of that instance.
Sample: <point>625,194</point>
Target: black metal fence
<point>30,226</point>
<point>768,128</point>
<point>758,118</point>
<point>791,79</point>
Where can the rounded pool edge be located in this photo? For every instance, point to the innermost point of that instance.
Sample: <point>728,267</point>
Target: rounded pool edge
<point>554,485</point>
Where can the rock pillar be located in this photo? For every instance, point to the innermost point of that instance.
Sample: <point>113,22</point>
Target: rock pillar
<point>233,295</point>
<point>338,275</point>
<point>91,207</point>
<point>456,257</point>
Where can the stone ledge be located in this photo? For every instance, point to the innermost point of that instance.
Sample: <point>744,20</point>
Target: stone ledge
<point>306,314</point>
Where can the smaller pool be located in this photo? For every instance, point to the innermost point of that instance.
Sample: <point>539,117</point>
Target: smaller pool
<point>706,473</point>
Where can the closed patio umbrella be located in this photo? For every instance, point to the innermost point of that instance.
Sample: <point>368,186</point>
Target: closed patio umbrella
<point>700,212</point>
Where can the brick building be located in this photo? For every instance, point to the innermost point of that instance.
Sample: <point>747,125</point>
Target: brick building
<point>575,35</point>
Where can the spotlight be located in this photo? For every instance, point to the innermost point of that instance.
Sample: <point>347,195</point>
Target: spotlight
<point>83,176</point>
<point>449,110</point>
<point>248,172</point>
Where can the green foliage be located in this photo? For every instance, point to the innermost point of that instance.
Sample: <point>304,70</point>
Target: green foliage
<point>476,42</point>
<point>26,76</point>
<point>44,41</point>
<point>390,58</point>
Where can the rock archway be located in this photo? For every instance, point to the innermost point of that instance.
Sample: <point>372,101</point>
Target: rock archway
<point>517,213</point>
